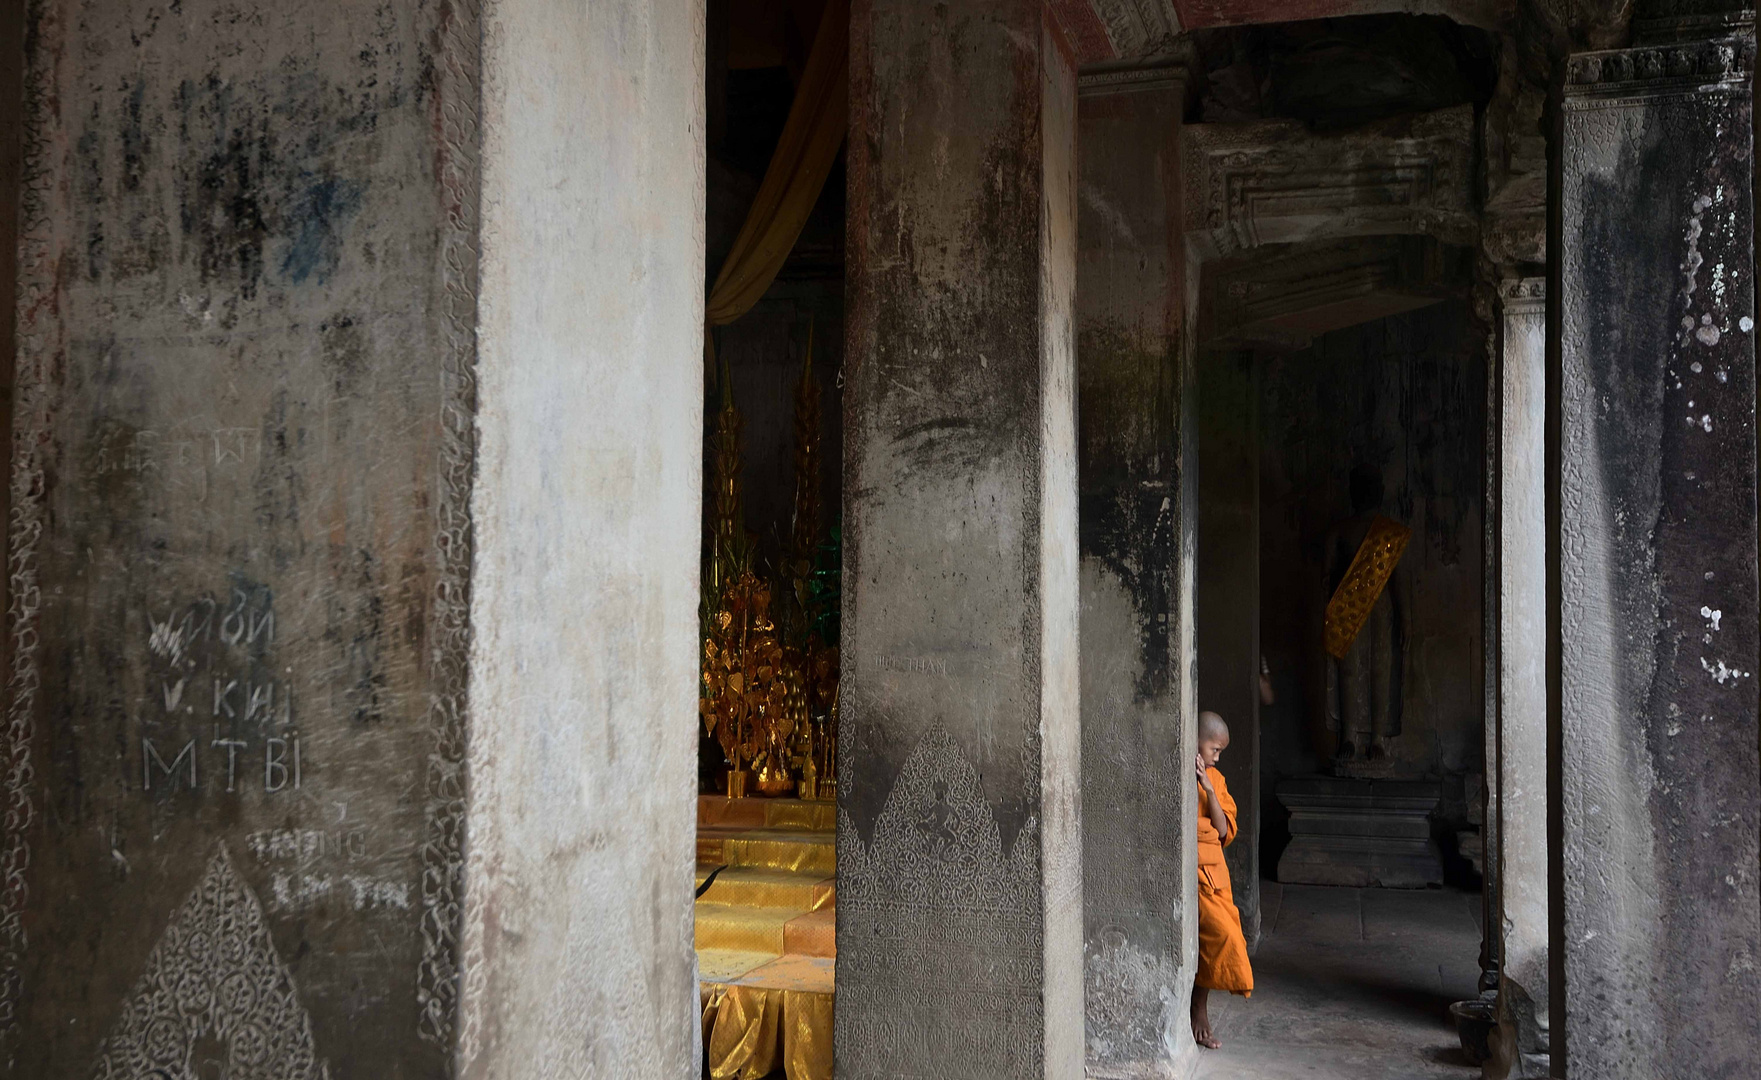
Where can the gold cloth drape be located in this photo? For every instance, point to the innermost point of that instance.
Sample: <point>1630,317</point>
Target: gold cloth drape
<point>796,174</point>
<point>750,1030</point>
<point>1363,583</point>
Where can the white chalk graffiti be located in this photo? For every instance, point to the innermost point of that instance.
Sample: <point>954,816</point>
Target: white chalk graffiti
<point>163,769</point>
<point>305,845</point>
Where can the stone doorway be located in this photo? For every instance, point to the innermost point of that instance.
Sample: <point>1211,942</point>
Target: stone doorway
<point>1341,380</point>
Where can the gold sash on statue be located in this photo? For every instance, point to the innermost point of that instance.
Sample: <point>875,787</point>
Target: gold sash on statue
<point>1363,583</point>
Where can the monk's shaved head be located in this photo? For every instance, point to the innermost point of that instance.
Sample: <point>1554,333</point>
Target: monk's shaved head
<point>1212,728</point>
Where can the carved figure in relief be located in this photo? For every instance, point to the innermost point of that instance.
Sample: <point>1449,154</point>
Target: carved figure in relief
<point>1366,668</point>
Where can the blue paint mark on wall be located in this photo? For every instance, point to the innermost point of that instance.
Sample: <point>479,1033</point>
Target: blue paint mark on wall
<point>317,215</point>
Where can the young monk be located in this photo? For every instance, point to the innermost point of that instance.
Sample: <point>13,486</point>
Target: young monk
<point>1222,950</point>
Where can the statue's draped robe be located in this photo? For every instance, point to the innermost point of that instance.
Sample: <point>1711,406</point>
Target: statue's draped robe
<point>1222,950</point>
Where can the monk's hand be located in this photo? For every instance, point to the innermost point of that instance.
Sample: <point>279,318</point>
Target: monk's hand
<point>1204,778</point>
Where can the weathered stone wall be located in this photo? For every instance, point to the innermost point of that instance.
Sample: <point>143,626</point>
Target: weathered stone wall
<point>959,874</point>
<point>578,922</point>
<point>246,309</point>
<point>1406,393</point>
<point>1135,395</point>
<point>1660,786</point>
<point>242,688</point>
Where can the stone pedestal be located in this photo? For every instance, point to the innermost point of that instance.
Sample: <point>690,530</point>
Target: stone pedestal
<point>1656,763</point>
<point>959,852</point>
<point>1135,397</point>
<point>1360,833</point>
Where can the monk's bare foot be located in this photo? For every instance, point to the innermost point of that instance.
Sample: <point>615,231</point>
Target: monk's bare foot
<point>1201,1020</point>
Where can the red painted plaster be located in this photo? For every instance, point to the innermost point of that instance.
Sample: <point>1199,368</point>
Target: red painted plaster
<point>1083,30</point>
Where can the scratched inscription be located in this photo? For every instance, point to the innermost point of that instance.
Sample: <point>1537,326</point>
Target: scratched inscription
<point>219,715</point>
<point>920,665</point>
<point>185,452</point>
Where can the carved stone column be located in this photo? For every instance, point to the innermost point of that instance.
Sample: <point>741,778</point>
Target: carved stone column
<point>959,859</point>
<point>1519,815</point>
<point>1489,661</point>
<point>1134,383</point>
<point>1659,782</point>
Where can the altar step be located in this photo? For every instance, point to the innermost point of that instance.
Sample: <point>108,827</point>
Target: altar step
<point>763,886</point>
<point>795,850</point>
<point>769,919</point>
<point>768,930</point>
<point>755,813</point>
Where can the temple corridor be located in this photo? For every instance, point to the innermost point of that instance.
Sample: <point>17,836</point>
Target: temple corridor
<point>879,540</point>
<point>1351,984</point>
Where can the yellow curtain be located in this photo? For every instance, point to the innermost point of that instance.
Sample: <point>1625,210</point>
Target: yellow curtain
<point>795,176</point>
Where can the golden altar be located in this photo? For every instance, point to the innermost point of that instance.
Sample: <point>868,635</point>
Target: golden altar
<point>767,935</point>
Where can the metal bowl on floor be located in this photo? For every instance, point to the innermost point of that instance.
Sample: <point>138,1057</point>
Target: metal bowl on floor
<point>1474,1021</point>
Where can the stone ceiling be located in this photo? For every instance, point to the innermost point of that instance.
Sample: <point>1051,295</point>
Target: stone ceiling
<point>1114,31</point>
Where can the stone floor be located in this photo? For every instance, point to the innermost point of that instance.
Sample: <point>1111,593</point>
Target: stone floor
<point>1353,984</point>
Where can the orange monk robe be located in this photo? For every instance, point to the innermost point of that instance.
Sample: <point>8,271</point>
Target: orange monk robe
<point>1222,950</point>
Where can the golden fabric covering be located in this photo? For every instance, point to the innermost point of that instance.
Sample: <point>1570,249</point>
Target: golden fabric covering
<point>728,965</point>
<point>792,182</point>
<point>796,814</point>
<point>756,813</point>
<point>1363,583</point>
<point>736,926</point>
<point>812,934</point>
<point>808,852</point>
<point>767,936</point>
<point>764,887</point>
<point>749,1030</point>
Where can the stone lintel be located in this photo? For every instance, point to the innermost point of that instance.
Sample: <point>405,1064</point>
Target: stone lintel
<point>1284,296</point>
<point>1275,181</point>
<point>1162,77</point>
<point>1658,22</point>
<point>1685,68</point>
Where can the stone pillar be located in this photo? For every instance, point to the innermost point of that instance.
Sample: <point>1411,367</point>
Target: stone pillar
<point>1520,1044</point>
<point>347,521</point>
<point>1228,596</point>
<point>1660,787</point>
<point>12,23</point>
<point>578,921</point>
<point>1489,661</point>
<point>959,859</point>
<point>1134,386</point>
